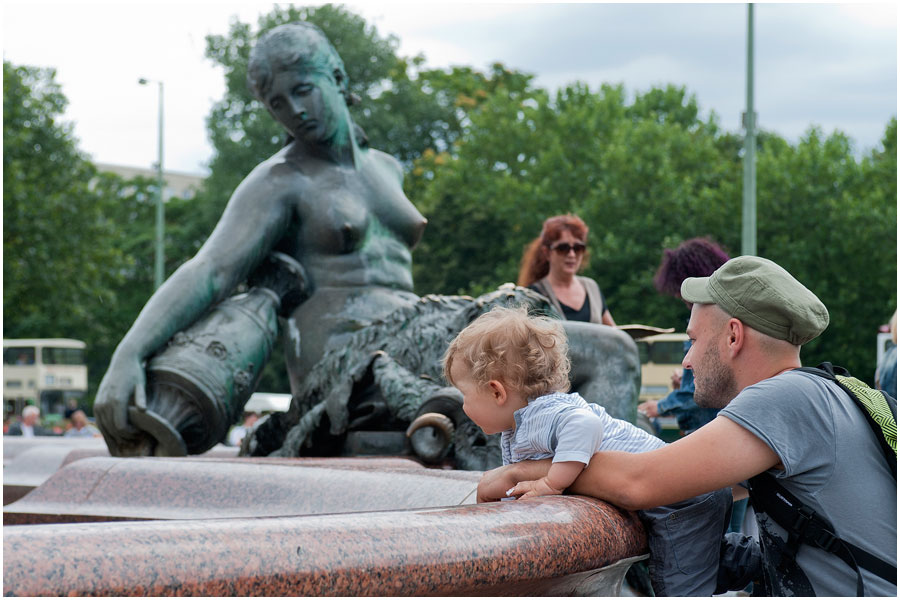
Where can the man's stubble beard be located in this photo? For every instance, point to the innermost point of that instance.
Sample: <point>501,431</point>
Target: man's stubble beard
<point>714,385</point>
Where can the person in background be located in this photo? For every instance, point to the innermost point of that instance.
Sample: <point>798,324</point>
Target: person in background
<point>237,433</point>
<point>696,257</point>
<point>71,407</point>
<point>550,265</point>
<point>886,374</point>
<point>80,426</point>
<point>29,426</point>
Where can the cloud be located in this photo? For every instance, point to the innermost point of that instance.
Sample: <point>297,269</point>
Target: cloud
<point>833,65</point>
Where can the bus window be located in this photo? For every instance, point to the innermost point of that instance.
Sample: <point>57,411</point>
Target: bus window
<point>52,402</point>
<point>62,356</point>
<point>18,355</point>
<point>667,353</point>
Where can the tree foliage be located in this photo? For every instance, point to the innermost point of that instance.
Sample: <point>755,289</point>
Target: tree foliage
<point>488,156</point>
<point>67,244</point>
<point>645,175</point>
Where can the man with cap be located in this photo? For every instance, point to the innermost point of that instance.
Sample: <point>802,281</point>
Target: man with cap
<point>748,322</point>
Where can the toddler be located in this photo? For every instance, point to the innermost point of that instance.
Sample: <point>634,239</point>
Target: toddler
<point>513,372</point>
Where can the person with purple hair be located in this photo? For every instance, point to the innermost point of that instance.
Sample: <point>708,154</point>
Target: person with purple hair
<point>696,257</point>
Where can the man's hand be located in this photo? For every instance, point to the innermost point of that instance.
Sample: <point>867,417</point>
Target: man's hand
<point>535,487</point>
<point>495,483</point>
<point>676,378</point>
<point>648,408</point>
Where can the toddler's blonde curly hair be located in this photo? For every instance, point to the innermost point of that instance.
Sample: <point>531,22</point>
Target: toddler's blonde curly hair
<point>528,354</point>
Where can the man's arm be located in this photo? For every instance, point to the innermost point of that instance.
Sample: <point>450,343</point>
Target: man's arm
<point>718,455</point>
<point>495,483</point>
<point>558,478</point>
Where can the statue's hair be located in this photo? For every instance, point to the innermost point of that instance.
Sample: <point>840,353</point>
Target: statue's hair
<point>696,257</point>
<point>534,265</point>
<point>288,47</point>
<point>526,354</point>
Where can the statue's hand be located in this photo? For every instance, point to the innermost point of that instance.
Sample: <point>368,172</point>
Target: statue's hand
<point>123,380</point>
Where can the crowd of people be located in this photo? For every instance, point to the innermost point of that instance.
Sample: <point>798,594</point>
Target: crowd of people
<point>74,424</point>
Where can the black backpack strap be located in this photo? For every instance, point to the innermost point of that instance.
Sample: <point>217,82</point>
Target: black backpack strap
<point>805,526</point>
<point>829,371</point>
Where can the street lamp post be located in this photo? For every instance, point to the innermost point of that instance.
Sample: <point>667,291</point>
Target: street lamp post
<point>748,229</point>
<point>160,186</point>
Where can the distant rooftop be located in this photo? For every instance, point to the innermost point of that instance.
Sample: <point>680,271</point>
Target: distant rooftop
<point>183,185</point>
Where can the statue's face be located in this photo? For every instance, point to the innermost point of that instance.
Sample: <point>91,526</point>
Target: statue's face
<point>306,105</point>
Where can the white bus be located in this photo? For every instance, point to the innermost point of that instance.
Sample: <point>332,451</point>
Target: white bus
<point>43,372</point>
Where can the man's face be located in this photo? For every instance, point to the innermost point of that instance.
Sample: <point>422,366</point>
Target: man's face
<point>714,382</point>
<point>30,419</point>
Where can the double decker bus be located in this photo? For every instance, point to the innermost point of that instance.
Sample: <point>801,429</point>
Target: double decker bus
<point>43,372</point>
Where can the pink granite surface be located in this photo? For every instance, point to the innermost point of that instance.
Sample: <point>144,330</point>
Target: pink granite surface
<point>519,547</point>
<point>29,462</point>
<point>109,488</point>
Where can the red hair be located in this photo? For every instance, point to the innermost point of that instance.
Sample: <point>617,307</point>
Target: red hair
<point>534,264</point>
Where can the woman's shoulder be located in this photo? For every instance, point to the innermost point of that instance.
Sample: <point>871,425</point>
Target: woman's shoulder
<point>587,281</point>
<point>385,160</point>
<point>283,165</point>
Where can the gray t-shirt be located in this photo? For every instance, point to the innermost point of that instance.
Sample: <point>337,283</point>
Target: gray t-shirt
<point>832,463</point>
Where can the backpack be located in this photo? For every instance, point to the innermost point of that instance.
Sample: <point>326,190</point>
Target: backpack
<point>803,524</point>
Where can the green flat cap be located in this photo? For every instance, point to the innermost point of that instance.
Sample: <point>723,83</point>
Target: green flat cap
<point>763,296</point>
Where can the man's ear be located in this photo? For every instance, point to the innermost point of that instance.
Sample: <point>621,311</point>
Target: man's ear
<point>498,391</point>
<point>736,336</point>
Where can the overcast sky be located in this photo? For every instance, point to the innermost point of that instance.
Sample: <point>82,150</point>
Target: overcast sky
<point>831,65</point>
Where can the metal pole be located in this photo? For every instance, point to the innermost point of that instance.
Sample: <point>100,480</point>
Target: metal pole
<point>748,231</point>
<point>160,210</point>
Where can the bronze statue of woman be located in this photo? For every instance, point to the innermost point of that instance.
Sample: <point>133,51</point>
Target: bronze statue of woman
<point>325,199</point>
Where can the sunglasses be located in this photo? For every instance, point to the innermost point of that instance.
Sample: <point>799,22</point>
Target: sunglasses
<point>564,248</point>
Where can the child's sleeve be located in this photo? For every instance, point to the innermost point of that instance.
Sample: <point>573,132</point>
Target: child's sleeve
<point>578,436</point>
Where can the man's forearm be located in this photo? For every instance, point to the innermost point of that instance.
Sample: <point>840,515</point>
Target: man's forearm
<point>495,483</point>
<point>611,476</point>
<point>717,455</point>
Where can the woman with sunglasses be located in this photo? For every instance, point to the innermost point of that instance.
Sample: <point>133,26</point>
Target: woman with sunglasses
<point>550,266</point>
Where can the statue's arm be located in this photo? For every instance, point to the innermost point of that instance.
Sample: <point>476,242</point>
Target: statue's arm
<point>253,222</point>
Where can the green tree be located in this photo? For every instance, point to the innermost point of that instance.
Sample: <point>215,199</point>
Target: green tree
<point>646,175</point>
<point>831,220</point>
<point>66,263</point>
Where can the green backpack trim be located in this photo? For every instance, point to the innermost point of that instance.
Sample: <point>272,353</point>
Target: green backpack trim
<point>876,405</point>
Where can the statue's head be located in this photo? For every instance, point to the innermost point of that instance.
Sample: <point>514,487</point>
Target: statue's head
<point>296,61</point>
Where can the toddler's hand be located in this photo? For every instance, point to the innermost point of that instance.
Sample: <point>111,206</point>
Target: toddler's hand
<point>533,488</point>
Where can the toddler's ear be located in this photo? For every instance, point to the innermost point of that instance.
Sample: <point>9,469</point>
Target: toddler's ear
<point>498,391</point>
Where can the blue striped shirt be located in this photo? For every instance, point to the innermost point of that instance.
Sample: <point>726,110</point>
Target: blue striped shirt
<point>567,428</point>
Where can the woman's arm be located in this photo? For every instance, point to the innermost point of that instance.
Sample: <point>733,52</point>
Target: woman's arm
<point>607,318</point>
<point>253,222</point>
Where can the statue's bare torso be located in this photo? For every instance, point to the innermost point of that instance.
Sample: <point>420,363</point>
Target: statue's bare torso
<point>353,230</point>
